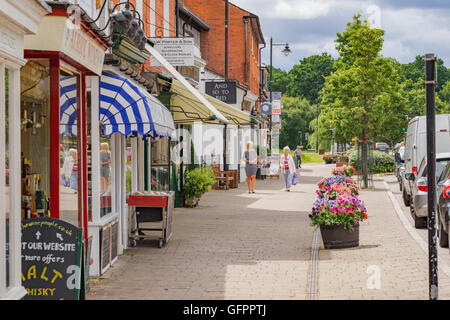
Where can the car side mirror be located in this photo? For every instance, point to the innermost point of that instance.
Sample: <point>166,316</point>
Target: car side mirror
<point>410,176</point>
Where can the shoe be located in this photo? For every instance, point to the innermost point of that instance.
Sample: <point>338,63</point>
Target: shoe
<point>253,191</point>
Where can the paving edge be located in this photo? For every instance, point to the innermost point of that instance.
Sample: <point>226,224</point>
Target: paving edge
<point>312,276</point>
<point>412,232</point>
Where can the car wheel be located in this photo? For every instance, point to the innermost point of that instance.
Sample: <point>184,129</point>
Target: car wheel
<point>400,185</point>
<point>443,237</point>
<point>419,223</point>
<point>406,198</point>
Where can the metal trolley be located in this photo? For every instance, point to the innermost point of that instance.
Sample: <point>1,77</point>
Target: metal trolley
<point>150,206</point>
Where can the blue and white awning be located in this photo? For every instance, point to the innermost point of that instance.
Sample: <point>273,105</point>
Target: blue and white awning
<point>126,109</point>
<point>68,106</point>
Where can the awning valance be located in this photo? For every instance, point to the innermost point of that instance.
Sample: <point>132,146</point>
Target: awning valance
<point>126,109</point>
<point>186,109</point>
<point>68,106</point>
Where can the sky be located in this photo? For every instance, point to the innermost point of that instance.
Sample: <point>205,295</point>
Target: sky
<point>412,27</point>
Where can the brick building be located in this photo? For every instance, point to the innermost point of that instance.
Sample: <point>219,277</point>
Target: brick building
<point>244,38</point>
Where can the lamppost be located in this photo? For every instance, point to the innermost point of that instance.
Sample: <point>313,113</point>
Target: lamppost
<point>286,52</point>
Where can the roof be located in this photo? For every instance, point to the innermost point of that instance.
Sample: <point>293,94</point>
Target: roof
<point>193,18</point>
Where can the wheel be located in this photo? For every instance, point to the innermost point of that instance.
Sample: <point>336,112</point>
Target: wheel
<point>133,243</point>
<point>400,185</point>
<point>443,237</point>
<point>406,198</point>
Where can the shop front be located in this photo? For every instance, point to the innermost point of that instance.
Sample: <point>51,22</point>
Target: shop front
<point>16,21</point>
<point>64,58</point>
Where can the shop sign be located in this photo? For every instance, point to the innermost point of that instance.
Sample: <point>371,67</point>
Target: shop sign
<point>52,263</point>
<point>223,91</point>
<point>11,43</point>
<point>275,96</point>
<point>276,107</point>
<point>78,45</point>
<point>177,51</point>
<point>265,108</point>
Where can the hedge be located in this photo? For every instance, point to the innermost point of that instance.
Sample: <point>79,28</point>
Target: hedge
<point>382,162</point>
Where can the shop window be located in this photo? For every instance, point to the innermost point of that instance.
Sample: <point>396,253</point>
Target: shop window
<point>160,164</point>
<point>105,176</point>
<point>35,138</point>
<point>70,155</point>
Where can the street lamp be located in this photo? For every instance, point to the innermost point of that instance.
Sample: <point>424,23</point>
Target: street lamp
<point>286,52</point>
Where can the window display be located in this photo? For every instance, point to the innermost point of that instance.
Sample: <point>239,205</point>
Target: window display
<point>35,142</point>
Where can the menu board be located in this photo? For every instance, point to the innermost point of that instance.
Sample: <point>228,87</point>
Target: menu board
<point>105,247</point>
<point>51,259</point>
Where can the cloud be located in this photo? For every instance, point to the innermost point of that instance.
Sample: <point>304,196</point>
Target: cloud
<point>308,9</point>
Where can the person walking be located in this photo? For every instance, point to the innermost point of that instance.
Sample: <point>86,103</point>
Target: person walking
<point>70,170</point>
<point>298,156</point>
<point>288,168</point>
<point>105,167</point>
<point>251,160</point>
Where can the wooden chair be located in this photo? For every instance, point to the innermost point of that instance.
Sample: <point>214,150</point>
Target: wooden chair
<point>223,177</point>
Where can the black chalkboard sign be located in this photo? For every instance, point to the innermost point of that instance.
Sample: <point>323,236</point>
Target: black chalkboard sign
<point>114,240</point>
<point>51,259</point>
<point>223,91</point>
<point>105,248</point>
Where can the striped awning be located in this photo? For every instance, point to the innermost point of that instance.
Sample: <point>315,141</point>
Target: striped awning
<point>68,106</point>
<point>126,109</point>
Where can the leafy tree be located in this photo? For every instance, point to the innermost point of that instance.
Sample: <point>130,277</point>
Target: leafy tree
<point>416,71</point>
<point>297,113</point>
<point>307,78</point>
<point>280,80</point>
<point>363,95</point>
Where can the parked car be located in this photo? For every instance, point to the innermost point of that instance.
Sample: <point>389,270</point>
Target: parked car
<point>382,146</point>
<point>443,205</point>
<point>419,198</point>
<point>400,165</point>
<point>416,147</point>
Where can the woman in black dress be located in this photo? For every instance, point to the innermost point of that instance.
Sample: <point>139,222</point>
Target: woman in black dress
<point>251,160</point>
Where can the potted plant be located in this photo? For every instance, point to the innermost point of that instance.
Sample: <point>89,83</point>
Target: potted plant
<point>333,186</point>
<point>197,182</point>
<point>338,220</point>
<point>347,171</point>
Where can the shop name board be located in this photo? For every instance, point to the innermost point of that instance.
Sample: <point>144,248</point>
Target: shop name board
<point>177,51</point>
<point>223,91</point>
<point>51,259</point>
<point>10,43</point>
<point>276,107</point>
<point>78,45</point>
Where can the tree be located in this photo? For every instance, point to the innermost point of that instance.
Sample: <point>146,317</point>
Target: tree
<point>362,95</point>
<point>297,113</point>
<point>307,78</point>
<point>279,80</point>
<point>415,71</point>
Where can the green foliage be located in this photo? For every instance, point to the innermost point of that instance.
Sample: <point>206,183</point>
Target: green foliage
<point>416,71</point>
<point>198,181</point>
<point>280,80</point>
<point>381,162</point>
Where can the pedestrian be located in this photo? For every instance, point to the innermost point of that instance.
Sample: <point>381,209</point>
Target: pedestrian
<point>288,167</point>
<point>298,156</point>
<point>251,159</point>
<point>105,167</point>
<point>70,170</point>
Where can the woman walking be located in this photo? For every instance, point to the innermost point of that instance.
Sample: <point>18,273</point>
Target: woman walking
<point>251,159</point>
<point>288,167</point>
<point>105,167</point>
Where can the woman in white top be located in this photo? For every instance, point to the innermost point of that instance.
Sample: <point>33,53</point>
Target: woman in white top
<point>287,166</point>
<point>251,160</point>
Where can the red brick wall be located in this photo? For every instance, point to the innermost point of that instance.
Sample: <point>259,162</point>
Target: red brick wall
<point>213,41</point>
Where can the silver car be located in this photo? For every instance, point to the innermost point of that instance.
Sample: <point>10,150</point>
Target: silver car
<point>419,196</point>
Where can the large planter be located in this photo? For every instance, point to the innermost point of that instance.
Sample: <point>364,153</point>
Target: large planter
<point>336,237</point>
<point>192,201</point>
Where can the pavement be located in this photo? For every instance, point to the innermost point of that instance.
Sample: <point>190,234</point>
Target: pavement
<point>236,245</point>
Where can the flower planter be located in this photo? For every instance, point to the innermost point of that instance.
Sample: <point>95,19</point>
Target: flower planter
<point>336,237</point>
<point>192,201</point>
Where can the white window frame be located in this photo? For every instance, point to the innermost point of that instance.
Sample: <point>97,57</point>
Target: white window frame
<point>15,289</point>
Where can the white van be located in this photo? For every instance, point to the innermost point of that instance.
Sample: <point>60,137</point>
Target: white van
<point>416,147</point>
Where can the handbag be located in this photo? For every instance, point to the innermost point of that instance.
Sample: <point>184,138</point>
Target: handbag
<point>294,179</point>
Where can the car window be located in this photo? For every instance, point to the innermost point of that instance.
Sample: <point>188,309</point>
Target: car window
<point>440,166</point>
<point>445,173</point>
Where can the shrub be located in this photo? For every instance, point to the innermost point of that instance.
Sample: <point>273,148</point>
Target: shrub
<point>198,181</point>
<point>382,162</point>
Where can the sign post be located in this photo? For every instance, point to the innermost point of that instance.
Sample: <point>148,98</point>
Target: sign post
<point>430,84</point>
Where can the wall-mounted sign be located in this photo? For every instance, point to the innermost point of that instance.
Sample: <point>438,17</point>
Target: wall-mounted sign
<point>223,91</point>
<point>177,51</point>
<point>52,257</point>
<point>275,96</point>
<point>276,107</point>
<point>265,108</point>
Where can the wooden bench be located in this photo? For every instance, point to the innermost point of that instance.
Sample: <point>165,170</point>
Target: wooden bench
<point>224,178</point>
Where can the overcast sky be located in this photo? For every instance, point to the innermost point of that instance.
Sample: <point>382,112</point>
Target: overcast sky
<point>413,27</point>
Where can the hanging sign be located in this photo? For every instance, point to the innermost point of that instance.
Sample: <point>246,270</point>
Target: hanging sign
<point>275,96</point>
<point>276,107</point>
<point>177,51</point>
<point>223,91</point>
<point>52,258</point>
<point>265,108</point>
